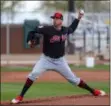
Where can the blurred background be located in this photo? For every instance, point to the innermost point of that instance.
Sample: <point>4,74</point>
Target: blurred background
<point>87,49</point>
<point>19,17</point>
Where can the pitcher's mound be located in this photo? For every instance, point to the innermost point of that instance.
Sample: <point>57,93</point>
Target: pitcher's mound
<point>69,100</point>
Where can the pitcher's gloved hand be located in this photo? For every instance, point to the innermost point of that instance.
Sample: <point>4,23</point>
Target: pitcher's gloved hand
<point>32,43</point>
<point>33,39</point>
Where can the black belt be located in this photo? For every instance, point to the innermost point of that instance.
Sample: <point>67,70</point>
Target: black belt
<point>54,57</point>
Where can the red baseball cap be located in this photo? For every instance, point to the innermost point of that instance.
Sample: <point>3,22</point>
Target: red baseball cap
<point>57,15</point>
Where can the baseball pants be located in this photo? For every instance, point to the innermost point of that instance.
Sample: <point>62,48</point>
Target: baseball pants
<point>59,65</point>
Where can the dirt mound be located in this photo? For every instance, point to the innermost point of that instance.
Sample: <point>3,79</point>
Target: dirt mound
<point>68,100</point>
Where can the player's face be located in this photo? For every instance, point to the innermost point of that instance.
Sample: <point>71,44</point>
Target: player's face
<point>57,22</point>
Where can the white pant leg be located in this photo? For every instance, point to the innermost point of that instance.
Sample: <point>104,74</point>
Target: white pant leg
<point>41,66</point>
<point>64,69</point>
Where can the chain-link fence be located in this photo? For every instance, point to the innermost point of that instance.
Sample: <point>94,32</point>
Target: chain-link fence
<point>93,33</point>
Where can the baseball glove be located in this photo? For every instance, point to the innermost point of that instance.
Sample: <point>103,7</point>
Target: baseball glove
<point>33,39</point>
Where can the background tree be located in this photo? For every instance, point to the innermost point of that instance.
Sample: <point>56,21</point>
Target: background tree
<point>56,5</point>
<point>96,6</point>
<point>88,6</point>
<point>10,7</point>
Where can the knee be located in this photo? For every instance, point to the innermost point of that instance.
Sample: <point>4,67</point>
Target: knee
<point>33,76</point>
<point>75,81</point>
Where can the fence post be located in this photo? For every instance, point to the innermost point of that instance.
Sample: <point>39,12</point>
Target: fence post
<point>108,35</point>
<point>99,42</point>
<point>84,40</point>
<point>8,39</point>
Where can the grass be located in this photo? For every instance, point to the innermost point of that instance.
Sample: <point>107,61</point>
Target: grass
<point>18,69</point>
<point>46,89</point>
<point>73,67</point>
<point>97,67</point>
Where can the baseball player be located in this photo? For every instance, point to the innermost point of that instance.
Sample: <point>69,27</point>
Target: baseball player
<point>54,37</point>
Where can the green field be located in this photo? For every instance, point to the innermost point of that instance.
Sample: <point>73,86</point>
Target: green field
<point>46,89</point>
<point>97,67</point>
<point>73,67</point>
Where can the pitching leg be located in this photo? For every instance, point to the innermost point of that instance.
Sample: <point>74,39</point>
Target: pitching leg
<point>66,72</point>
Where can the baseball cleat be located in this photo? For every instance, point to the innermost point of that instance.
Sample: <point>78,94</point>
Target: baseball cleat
<point>99,93</point>
<point>18,99</point>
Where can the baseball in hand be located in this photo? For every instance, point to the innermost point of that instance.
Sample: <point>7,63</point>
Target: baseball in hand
<point>81,11</point>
